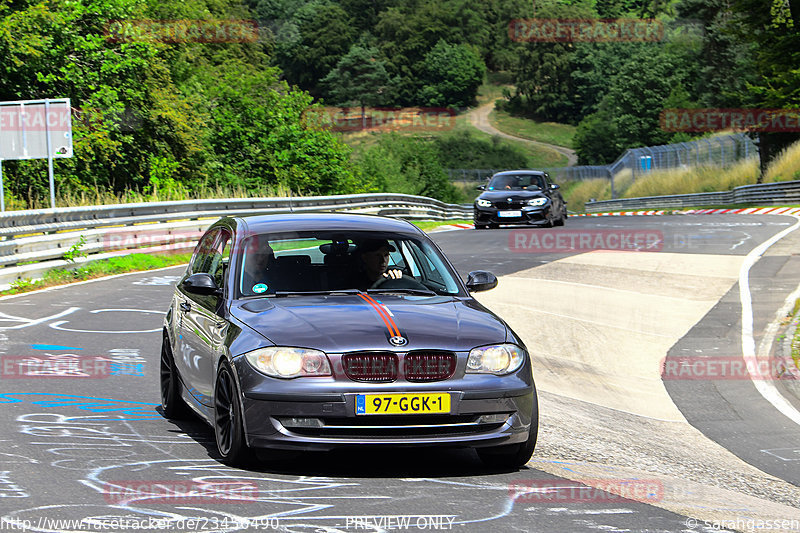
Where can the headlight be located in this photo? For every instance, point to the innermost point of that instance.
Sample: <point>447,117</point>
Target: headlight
<point>536,202</point>
<point>496,359</point>
<point>282,362</point>
<point>484,203</point>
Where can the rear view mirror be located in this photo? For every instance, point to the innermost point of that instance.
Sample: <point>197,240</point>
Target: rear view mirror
<point>201,283</point>
<point>481,280</point>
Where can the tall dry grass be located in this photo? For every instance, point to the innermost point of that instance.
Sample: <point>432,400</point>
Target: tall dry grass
<point>786,167</point>
<point>89,197</point>
<point>693,180</point>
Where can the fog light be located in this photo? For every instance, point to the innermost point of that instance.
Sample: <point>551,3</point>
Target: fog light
<point>301,422</point>
<point>496,418</point>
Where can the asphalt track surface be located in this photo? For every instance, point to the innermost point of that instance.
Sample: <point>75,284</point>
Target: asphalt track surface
<point>87,447</point>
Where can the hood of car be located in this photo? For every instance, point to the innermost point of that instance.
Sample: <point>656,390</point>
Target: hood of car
<point>504,195</point>
<point>344,323</point>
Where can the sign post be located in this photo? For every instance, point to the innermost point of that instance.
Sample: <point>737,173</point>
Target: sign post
<point>35,129</point>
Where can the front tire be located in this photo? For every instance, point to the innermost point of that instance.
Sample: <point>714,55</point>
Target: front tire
<point>171,402</point>
<point>228,420</point>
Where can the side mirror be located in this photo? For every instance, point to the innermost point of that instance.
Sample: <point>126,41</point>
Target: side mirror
<point>201,283</point>
<point>481,187</point>
<point>481,280</point>
<point>555,186</point>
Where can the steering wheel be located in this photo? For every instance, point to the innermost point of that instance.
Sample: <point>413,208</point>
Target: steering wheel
<point>405,282</point>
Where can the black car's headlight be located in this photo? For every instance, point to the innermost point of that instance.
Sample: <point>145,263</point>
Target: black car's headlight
<point>284,362</point>
<point>537,202</point>
<point>483,203</point>
<point>496,359</point>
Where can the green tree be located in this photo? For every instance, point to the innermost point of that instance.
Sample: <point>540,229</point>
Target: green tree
<point>775,35</point>
<point>324,33</point>
<point>451,75</point>
<point>407,165</point>
<point>359,77</point>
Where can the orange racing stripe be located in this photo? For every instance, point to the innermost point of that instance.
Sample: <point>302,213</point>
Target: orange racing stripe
<point>390,325</point>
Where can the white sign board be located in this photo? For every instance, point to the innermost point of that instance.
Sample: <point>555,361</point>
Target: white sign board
<point>35,129</point>
<point>26,126</point>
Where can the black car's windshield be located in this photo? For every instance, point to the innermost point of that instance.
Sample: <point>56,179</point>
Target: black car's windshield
<point>516,181</point>
<point>310,263</point>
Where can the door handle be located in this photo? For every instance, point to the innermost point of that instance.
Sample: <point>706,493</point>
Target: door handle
<point>186,307</point>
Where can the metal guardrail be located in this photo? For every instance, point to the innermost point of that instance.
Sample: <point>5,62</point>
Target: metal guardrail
<point>34,241</point>
<point>781,193</point>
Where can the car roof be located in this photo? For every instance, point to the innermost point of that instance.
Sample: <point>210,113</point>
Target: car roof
<point>296,222</point>
<point>516,172</point>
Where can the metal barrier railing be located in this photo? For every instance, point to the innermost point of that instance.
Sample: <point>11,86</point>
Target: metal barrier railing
<point>781,193</point>
<point>34,241</point>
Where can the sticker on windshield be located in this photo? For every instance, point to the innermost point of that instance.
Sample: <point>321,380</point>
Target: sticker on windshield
<point>258,288</point>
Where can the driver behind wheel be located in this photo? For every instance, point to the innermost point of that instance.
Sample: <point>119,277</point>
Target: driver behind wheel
<point>373,261</point>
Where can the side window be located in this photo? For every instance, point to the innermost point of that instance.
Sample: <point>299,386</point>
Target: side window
<point>546,182</point>
<point>204,253</point>
<point>220,263</point>
<point>405,252</point>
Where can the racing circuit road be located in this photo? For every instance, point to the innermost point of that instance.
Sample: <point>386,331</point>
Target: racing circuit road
<point>690,454</point>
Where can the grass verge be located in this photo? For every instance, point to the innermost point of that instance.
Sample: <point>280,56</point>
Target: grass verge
<point>98,269</point>
<point>547,132</point>
<point>426,225</point>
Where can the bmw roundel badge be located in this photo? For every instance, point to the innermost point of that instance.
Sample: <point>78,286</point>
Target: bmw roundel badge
<point>398,341</point>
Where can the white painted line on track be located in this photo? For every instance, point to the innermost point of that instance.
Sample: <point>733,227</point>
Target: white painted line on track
<point>763,384</point>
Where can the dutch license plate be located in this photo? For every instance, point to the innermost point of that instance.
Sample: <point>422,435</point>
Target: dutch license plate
<point>509,214</point>
<point>403,404</point>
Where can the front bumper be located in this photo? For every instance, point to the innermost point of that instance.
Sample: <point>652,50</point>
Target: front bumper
<point>529,215</point>
<point>479,415</point>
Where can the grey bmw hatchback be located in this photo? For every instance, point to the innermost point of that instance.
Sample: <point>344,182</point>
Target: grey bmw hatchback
<point>317,331</point>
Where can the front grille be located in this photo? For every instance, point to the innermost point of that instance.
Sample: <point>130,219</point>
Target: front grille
<point>376,367</point>
<point>509,205</point>
<point>429,366</point>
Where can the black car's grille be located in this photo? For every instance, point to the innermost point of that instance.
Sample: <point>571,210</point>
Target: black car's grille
<point>375,367</point>
<point>517,204</point>
<point>429,366</point>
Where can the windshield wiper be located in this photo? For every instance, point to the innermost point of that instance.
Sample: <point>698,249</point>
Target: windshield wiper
<point>313,293</point>
<point>425,292</point>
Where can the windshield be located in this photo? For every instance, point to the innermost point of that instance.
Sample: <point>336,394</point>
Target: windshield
<point>323,262</point>
<point>516,181</point>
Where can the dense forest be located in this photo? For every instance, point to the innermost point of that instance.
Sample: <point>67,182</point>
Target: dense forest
<point>192,115</point>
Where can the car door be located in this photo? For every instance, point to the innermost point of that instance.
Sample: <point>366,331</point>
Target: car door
<point>554,194</point>
<point>202,327</point>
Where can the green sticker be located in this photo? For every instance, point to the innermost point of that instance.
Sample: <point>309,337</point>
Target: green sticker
<point>258,288</point>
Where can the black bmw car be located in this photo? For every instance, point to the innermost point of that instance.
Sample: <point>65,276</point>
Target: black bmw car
<point>283,335</point>
<point>520,197</point>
